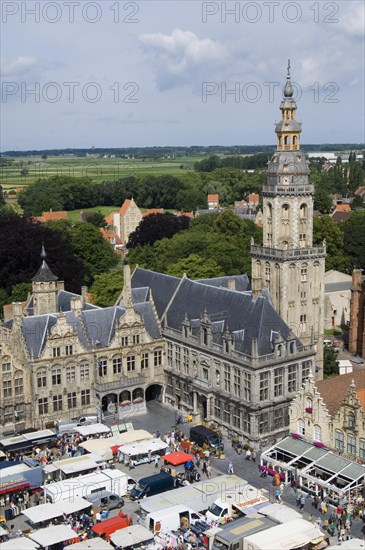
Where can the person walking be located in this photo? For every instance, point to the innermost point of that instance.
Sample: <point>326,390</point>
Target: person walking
<point>209,471</point>
<point>204,469</point>
<point>248,454</point>
<point>156,461</point>
<point>230,467</point>
<point>302,501</point>
<point>253,456</point>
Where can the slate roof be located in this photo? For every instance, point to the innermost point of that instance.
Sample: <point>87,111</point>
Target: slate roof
<point>333,390</point>
<point>176,299</point>
<point>163,286</point>
<point>337,287</point>
<point>95,326</point>
<point>241,282</point>
<point>44,274</point>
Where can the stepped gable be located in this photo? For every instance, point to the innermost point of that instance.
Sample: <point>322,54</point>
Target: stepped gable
<point>333,390</point>
<point>162,286</point>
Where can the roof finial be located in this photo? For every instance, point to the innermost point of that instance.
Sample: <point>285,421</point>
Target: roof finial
<point>43,252</point>
<point>288,89</point>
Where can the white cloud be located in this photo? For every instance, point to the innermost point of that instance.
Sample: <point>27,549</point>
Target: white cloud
<point>352,18</point>
<point>178,56</point>
<point>18,67</point>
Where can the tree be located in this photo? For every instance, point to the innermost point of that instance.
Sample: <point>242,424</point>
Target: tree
<point>330,363</point>
<point>195,267</point>
<point>20,292</point>
<point>324,228</point>
<point>107,287</point>
<point>155,227</point>
<point>357,202</point>
<point>95,218</point>
<point>354,239</point>
<point>322,200</point>
<point>44,156</point>
<point>90,246</point>
<point>2,200</point>
<point>20,247</point>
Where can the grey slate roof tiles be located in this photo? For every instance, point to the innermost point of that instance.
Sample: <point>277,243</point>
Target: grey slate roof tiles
<point>234,310</point>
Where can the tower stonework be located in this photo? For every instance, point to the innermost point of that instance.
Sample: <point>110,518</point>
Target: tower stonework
<point>45,286</point>
<point>288,264</point>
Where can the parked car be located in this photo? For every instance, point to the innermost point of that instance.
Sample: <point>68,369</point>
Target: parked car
<point>105,498</point>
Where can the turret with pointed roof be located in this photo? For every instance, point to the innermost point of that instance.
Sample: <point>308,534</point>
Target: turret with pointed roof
<point>45,288</point>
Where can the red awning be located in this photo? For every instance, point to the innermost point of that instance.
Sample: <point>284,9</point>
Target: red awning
<point>14,487</point>
<point>177,458</point>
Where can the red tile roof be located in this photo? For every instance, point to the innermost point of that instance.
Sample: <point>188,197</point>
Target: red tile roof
<point>253,197</point>
<point>51,216</point>
<point>126,204</point>
<point>213,198</point>
<point>10,306</point>
<point>110,235</point>
<point>343,208</point>
<point>333,390</point>
<point>109,218</point>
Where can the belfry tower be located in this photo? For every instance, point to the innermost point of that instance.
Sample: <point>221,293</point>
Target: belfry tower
<point>287,263</point>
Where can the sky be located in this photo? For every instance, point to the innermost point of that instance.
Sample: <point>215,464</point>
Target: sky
<point>157,73</point>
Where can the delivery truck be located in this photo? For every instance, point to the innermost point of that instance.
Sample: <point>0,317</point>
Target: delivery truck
<point>114,481</point>
<point>171,519</point>
<point>152,485</point>
<point>234,504</point>
<point>231,536</point>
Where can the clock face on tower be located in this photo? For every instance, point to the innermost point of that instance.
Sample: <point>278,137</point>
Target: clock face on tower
<point>286,180</point>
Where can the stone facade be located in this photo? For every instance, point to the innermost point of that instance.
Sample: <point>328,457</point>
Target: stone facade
<point>84,359</point>
<point>230,360</point>
<point>287,263</point>
<point>332,412</point>
<point>127,219</point>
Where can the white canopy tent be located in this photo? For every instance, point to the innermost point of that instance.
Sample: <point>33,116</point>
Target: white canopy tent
<point>129,536</point>
<point>279,512</point>
<point>20,543</point>
<point>47,512</point>
<point>53,534</point>
<point>143,447</point>
<point>97,445</point>
<point>93,429</point>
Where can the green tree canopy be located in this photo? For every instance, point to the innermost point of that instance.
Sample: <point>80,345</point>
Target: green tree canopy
<point>107,287</point>
<point>330,363</point>
<point>324,228</point>
<point>354,239</point>
<point>195,267</point>
<point>155,227</point>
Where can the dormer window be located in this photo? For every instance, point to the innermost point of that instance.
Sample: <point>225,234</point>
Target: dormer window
<point>205,336</point>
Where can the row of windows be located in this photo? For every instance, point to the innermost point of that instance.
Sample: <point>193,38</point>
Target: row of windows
<point>57,351</point>
<point>69,374</point>
<point>8,388</point>
<point>303,270</point>
<point>279,380</point>
<point>131,362</point>
<point>351,444</point>
<point>57,402</point>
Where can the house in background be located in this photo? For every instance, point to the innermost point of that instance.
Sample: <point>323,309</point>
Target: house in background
<point>126,220</point>
<point>253,200</point>
<point>213,202</point>
<point>332,412</point>
<point>337,298</point>
<point>51,216</point>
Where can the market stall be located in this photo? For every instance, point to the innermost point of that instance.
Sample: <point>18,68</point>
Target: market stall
<point>20,543</point>
<point>314,468</point>
<point>131,537</point>
<point>142,451</point>
<point>53,535</point>
<point>47,512</point>
<point>178,458</point>
<point>96,543</point>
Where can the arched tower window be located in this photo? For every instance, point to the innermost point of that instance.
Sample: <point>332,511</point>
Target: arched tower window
<point>269,211</point>
<point>303,211</point>
<point>295,140</point>
<point>285,210</point>
<point>267,271</point>
<point>287,140</point>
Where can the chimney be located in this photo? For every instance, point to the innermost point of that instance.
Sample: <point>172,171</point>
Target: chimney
<point>127,288</point>
<point>17,312</point>
<point>356,279</point>
<point>84,290</point>
<point>231,284</point>
<point>76,305</point>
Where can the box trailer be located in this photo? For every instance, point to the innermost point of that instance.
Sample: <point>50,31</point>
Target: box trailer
<point>114,481</point>
<point>171,519</point>
<point>297,534</point>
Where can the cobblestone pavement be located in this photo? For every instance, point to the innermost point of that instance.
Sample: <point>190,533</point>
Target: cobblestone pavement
<point>162,418</point>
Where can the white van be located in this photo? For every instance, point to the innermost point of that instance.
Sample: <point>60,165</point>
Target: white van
<point>171,519</point>
<point>64,428</point>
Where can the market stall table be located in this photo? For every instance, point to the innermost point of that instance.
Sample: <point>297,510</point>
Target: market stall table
<point>178,458</point>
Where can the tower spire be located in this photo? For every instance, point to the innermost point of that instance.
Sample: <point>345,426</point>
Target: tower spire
<point>288,88</point>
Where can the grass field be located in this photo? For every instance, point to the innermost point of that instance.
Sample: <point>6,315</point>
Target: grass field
<point>97,168</point>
